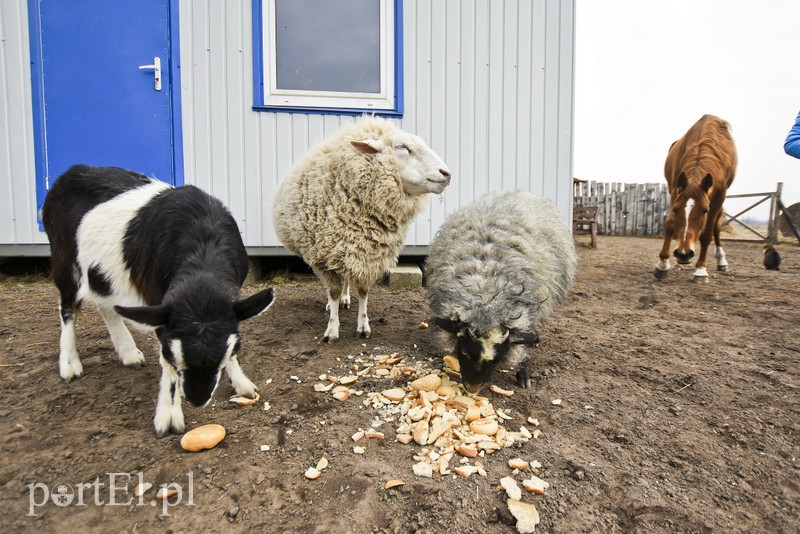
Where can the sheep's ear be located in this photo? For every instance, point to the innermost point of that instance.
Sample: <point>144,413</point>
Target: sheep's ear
<point>150,315</point>
<point>524,338</point>
<point>448,325</point>
<point>369,146</point>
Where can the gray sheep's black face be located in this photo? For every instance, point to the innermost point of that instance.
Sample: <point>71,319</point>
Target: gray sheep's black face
<point>479,352</point>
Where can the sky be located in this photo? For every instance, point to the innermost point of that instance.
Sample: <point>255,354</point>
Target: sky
<point>646,70</point>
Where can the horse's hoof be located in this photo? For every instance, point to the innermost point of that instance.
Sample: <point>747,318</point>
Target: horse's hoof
<point>700,279</point>
<point>660,275</point>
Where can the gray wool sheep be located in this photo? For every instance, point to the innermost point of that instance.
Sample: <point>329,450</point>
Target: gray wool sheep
<point>496,272</point>
<point>347,205</point>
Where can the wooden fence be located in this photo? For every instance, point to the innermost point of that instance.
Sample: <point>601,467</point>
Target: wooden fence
<point>625,209</point>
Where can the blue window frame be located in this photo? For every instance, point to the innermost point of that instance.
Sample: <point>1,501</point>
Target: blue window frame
<point>317,56</point>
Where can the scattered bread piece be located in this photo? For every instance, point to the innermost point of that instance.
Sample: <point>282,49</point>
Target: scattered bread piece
<point>518,463</point>
<point>322,464</point>
<point>423,325</point>
<point>347,380</point>
<point>393,484</point>
<point>485,426</point>
<point>427,383</point>
<point>341,395</point>
<point>535,485</point>
<point>244,401</point>
<point>420,433</point>
<point>423,469</point>
<point>405,439</point>
<point>500,391</point>
<point>526,515</point>
<point>512,490</point>
<point>473,413</point>
<point>165,493</point>
<point>445,391</point>
<point>312,473</point>
<point>451,362</point>
<point>203,437</point>
<point>465,470</point>
<point>395,394</point>
<point>470,451</point>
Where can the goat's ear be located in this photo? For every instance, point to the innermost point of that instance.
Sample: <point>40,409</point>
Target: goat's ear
<point>524,338</point>
<point>254,304</point>
<point>150,315</point>
<point>369,146</point>
<point>448,325</point>
<point>682,181</point>
<point>708,181</point>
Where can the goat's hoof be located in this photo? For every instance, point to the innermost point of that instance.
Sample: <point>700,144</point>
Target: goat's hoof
<point>364,334</point>
<point>700,279</point>
<point>660,275</point>
<point>160,433</point>
<point>523,378</point>
<point>68,379</point>
<point>135,365</point>
<point>177,429</point>
<point>722,268</point>
<point>330,339</point>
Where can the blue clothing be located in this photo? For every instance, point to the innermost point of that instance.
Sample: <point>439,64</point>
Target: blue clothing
<point>792,144</point>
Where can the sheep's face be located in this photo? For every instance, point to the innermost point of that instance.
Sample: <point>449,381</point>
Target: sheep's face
<point>421,170</point>
<point>479,352</point>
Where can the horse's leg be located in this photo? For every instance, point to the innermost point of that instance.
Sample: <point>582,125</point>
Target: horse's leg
<point>711,229</point>
<point>662,267</point>
<point>700,271</point>
<point>722,263</point>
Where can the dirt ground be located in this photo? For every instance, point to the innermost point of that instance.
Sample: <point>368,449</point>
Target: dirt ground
<point>679,413</point>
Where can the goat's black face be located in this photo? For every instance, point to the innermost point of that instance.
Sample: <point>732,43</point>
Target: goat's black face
<point>198,333</point>
<point>198,352</point>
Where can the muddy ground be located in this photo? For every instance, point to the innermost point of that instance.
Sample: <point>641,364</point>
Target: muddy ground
<point>679,413</point>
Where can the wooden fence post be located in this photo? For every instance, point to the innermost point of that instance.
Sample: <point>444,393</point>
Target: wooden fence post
<point>775,214</point>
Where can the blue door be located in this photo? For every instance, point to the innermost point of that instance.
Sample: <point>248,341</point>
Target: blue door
<point>105,87</point>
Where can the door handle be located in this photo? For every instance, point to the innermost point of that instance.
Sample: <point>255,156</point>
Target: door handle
<point>156,68</point>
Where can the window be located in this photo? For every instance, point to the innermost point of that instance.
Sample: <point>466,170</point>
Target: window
<point>323,56</point>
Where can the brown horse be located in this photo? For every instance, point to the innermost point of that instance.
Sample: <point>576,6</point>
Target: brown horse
<point>699,169</point>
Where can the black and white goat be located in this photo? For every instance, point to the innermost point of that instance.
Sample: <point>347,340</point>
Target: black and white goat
<point>167,258</point>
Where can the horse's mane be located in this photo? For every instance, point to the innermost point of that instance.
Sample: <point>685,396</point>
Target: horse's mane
<point>709,151</point>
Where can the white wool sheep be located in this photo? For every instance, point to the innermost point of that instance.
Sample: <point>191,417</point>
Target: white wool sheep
<point>496,271</point>
<point>346,207</point>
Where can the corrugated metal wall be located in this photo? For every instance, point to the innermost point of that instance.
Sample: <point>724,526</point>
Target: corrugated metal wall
<point>18,226</point>
<point>488,84</point>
